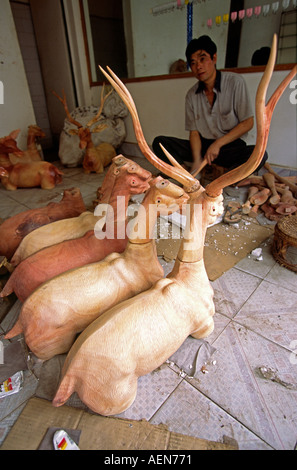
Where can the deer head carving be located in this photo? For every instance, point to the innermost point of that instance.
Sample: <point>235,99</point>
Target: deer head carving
<point>84,132</point>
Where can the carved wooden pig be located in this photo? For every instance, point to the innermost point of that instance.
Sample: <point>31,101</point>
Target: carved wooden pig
<point>138,335</point>
<point>74,228</point>
<point>3,172</point>
<point>31,175</point>
<point>9,146</point>
<point>53,315</point>
<point>53,233</point>
<point>15,228</point>
<point>31,154</point>
<point>124,178</point>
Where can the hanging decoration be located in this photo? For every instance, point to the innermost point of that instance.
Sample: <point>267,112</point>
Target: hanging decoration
<point>220,18</point>
<point>241,14</point>
<point>226,18</point>
<point>233,16</point>
<point>257,11</point>
<point>189,22</point>
<point>249,12</point>
<point>266,9</point>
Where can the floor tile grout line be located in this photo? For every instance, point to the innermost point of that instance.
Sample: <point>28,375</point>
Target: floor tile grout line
<point>283,287</point>
<point>259,389</point>
<point>188,381</point>
<point>234,417</point>
<point>262,336</point>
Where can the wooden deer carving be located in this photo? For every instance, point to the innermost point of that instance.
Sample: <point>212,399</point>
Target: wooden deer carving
<point>123,179</point>
<point>15,228</point>
<point>138,335</point>
<point>53,315</point>
<point>96,158</point>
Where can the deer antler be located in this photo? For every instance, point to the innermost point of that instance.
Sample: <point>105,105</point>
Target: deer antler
<point>263,119</point>
<point>176,171</point>
<point>103,99</point>
<point>64,103</point>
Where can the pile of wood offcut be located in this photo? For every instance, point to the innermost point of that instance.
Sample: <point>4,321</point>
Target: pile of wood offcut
<point>271,193</point>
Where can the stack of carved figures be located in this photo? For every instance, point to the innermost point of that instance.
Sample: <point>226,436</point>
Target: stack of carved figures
<point>61,265</point>
<point>271,194</point>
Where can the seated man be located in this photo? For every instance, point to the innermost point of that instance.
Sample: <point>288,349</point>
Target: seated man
<point>218,114</point>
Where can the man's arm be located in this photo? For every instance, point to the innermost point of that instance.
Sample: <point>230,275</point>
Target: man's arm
<point>235,133</point>
<point>195,143</point>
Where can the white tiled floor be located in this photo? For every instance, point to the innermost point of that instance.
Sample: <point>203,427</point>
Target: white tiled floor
<point>256,302</point>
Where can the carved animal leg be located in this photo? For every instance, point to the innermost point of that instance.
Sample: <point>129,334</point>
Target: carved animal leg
<point>204,330</point>
<point>117,401</point>
<point>47,182</point>
<point>100,170</point>
<point>8,185</point>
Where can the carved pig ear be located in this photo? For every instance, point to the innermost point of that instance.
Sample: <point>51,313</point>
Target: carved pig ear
<point>14,134</point>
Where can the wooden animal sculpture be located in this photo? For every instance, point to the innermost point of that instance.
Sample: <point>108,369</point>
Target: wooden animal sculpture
<point>31,154</point>
<point>31,175</point>
<point>53,315</point>
<point>286,181</point>
<point>34,134</point>
<point>62,230</point>
<point>53,233</point>
<point>15,228</point>
<point>138,335</point>
<point>96,158</point>
<point>270,181</point>
<point>124,178</point>
<point>9,146</point>
<point>3,172</point>
<point>26,174</point>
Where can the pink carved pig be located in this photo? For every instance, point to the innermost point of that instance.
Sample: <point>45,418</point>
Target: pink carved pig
<point>15,228</point>
<point>124,178</point>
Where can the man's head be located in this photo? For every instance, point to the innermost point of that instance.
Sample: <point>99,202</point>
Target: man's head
<point>203,43</point>
<point>202,58</point>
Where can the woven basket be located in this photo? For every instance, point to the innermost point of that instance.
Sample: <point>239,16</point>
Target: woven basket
<point>284,247</point>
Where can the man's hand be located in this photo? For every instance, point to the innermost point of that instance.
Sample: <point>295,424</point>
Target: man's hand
<point>212,152</point>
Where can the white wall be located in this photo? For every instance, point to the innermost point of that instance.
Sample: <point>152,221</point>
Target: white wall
<point>265,26</point>
<point>159,40</point>
<point>17,111</point>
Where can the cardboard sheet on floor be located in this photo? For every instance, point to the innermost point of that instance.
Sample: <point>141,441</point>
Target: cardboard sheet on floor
<point>97,432</point>
<point>225,245</point>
